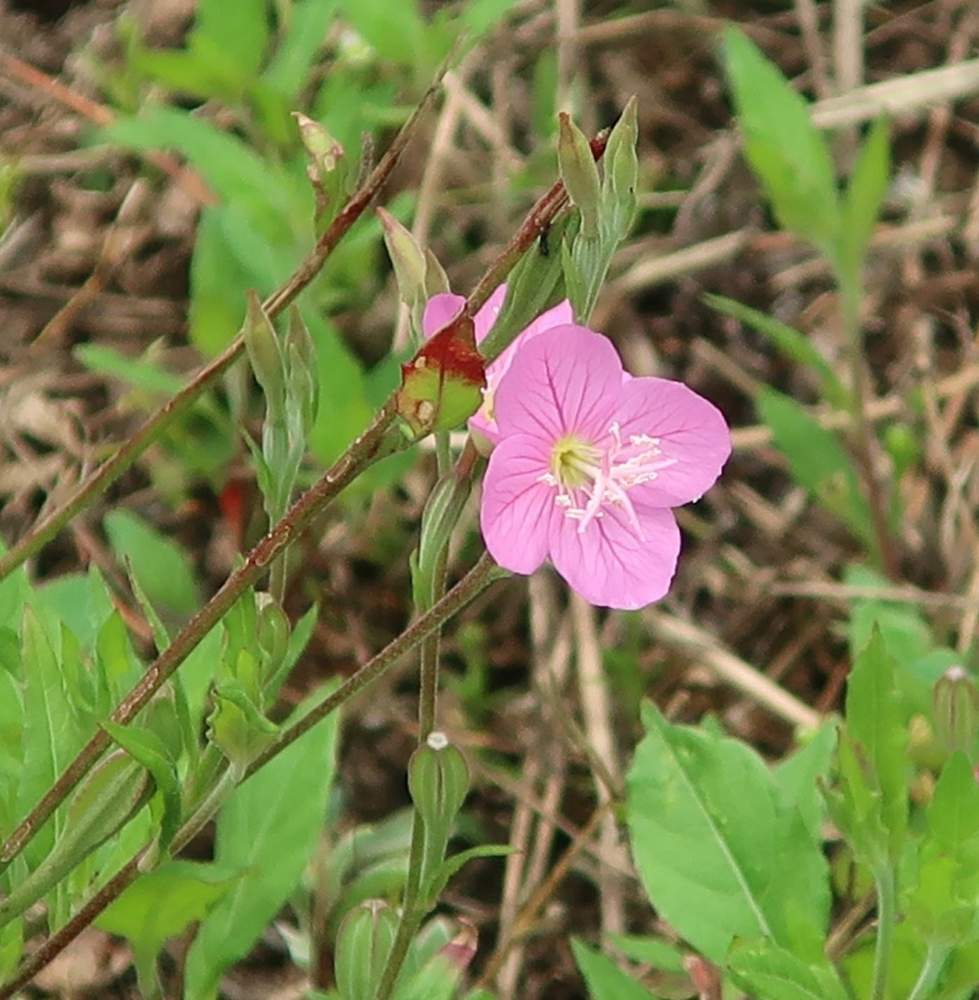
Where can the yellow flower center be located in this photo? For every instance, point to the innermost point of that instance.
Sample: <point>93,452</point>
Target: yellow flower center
<point>573,462</point>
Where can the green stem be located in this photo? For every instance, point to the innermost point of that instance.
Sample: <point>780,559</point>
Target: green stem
<point>410,917</point>
<point>886,916</point>
<point>930,971</point>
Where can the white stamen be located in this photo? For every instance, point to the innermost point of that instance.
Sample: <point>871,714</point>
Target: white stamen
<point>611,471</point>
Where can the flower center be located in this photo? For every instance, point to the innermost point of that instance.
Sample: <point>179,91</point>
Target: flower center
<point>588,477</point>
<point>574,462</point>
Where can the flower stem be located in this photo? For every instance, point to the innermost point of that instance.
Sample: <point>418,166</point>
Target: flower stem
<point>886,915</point>
<point>427,708</point>
<point>930,971</point>
<point>483,573</point>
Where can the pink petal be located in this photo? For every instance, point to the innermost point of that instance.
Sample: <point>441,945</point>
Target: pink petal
<point>690,430</point>
<point>486,316</point>
<point>566,380</point>
<point>560,315</point>
<point>441,309</point>
<point>609,564</point>
<point>517,507</point>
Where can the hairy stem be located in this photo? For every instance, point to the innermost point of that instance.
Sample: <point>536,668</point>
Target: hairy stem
<point>106,474</point>
<point>483,573</point>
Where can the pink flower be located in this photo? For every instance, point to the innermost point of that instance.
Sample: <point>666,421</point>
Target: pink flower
<point>588,463</point>
<point>441,309</point>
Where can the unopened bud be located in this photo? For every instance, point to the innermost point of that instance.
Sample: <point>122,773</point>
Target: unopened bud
<point>620,162</point>
<point>438,780</point>
<point>408,259</point>
<point>956,708</point>
<point>439,518</point>
<point>273,631</point>
<point>264,352</point>
<point>364,942</point>
<point>436,280</point>
<point>323,150</point>
<point>579,173</point>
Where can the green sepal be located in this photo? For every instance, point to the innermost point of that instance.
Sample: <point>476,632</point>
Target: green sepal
<point>442,385</point>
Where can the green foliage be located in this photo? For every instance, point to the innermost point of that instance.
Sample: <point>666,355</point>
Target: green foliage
<point>789,341</point>
<point>765,970</point>
<point>606,981</point>
<point>817,459</point>
<point>267,830</point>
<point>162,568</point>
<point>159,905</point>
<point>785,150</point>
<point>719,854</point>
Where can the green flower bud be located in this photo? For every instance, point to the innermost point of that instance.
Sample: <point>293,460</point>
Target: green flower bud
<point>621,164</point>
<point>903,446</point>
<point>956,707</point>
<point>408,259</point>
<point>324,151</point>
<point>273,632</point>
<point>264,353</point>
<point>579,173</point>
<point>436,280</point>
<point>303,391</point>
<point>364,942</point>
<point>438,781</point>
<point>325,162</point>
<point>441,514</point>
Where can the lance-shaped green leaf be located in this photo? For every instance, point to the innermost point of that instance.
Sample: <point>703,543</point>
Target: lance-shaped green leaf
<point>942,902</point>
<point>442,385</point>
<point>264,352</point>
<point>51,738</point>
<point>606,981</point>
<point>873,721</point>
<point>785,150</point>
<point>864,196</point>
